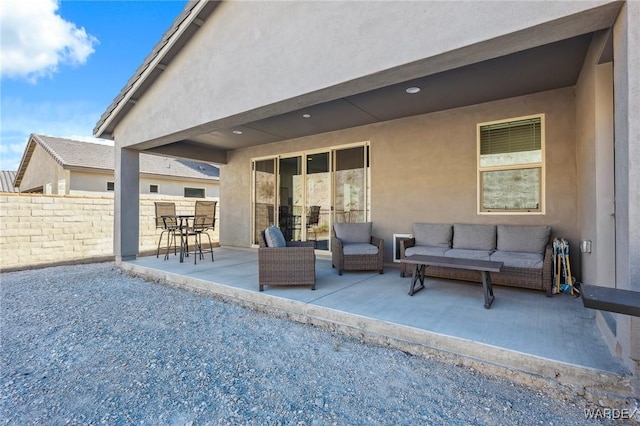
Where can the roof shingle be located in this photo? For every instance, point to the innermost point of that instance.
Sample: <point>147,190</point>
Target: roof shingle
<point>6,181</point>
<point>73,153</point>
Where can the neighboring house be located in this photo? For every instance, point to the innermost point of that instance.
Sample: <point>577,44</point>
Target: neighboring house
<point>6,181</point>
<point>400,112</point>
<point>53,165</point>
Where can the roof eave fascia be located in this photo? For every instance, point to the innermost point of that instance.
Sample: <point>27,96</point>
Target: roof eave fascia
<point>192,18</point>
<point>171,177</point>
<point>24,161</point>
<point>74,168</point>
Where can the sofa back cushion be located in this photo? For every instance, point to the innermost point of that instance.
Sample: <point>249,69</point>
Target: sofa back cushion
<point>524,239</point>
<point>353,233</point>
<point>274,238</point>
<point>432,234</point>
<point>474,237</point>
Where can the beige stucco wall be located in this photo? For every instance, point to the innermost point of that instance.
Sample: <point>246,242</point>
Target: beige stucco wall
<point>423,169</point>
<point>87,183</point>
<point>49,229</point>
<point>327,50</point>
<point>594,159</point>
<point>626,40</point>
<point>42,170</point>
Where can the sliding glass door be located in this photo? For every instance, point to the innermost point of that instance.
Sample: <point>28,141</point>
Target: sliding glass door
<point>264,196</point>
<point>305,193</point>
<point>351,183</point>
<point>291,198</point>
<point>318,199</point>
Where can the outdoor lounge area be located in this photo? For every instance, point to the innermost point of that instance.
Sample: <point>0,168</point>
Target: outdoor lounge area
<point>524,333</point>
<point>528,124</point>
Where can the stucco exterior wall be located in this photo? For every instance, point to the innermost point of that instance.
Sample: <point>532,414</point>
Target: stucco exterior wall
<point>91,183</point>
<point>42,170</point>
<point>626,40</point>
<point>424,169</point>
<point>48,229</point>
<point>86,183</point>
<point>594,159</point>
<point>176,187</point>
<point>326,48</point>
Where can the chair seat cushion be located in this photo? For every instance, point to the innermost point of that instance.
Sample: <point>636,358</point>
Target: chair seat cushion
<point>359,249</point>
<point>469,254</point>
<point>425,250</point>
<point>274,238</point>
<point>519,259</point>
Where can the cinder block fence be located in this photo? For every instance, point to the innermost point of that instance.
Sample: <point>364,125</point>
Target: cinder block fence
<point>38,230</point>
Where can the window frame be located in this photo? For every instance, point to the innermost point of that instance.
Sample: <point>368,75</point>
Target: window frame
<point>113,186</point>
<point>184,192</point>
<point>535,165</point>
<point>152,187</point>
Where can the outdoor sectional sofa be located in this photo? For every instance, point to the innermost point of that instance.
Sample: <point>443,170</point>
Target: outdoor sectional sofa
<point>525,251</point>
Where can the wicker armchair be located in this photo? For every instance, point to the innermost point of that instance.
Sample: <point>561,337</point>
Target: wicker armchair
<point>354,249</point>
<point>294,264</point>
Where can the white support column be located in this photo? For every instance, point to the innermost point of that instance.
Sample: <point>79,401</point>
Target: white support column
<point>126,204</point>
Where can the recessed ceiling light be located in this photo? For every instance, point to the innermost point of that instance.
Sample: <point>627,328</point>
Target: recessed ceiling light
<point>413,89</point>
<point>306,115</point>
<point>237,132</point>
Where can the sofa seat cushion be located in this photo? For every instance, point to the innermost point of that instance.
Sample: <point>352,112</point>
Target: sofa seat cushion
<point>524,239</point>
<point>274,238</point>
<point>469,254</point>
<point>425,250</point>
<point>515,259</point>
<point>474,237</point>
<point>351,233</point>
<point>433,234</point>
<point>359,249</point>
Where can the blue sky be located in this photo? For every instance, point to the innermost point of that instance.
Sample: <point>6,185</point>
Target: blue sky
<point>63,63</point>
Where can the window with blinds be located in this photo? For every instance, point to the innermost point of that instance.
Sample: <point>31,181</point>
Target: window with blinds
<point>510,165</point>
<point>193,192</point>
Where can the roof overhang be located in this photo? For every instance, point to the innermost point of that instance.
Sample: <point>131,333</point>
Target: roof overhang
<point>183,28</point>
<point>494,69</point>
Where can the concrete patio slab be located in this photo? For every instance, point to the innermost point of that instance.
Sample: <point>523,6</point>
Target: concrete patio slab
<point>524,332</point>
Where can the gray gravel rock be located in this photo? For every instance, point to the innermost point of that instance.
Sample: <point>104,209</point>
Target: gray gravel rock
<point>89,344</point>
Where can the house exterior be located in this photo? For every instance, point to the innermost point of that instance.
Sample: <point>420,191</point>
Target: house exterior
<point>53,165</point>
<point>387,111</point>
<point>6,181</point>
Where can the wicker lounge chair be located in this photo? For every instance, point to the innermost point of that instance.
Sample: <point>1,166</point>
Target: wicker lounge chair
<point>353,248</point>
<point>287,263</point>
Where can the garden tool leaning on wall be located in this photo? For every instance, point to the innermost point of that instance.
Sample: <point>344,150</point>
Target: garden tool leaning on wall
<point>563,280</point>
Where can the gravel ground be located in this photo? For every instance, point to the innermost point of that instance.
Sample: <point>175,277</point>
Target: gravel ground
<point>91,345</point>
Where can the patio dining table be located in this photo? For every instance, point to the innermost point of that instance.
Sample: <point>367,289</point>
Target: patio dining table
<point>182,221</point>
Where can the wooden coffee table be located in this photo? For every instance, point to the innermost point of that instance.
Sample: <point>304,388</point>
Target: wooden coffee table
<point>482,266</point>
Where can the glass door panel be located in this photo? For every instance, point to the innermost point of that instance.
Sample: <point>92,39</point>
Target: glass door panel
<point>291,198</point>
<point>318,200</point>
<point>350,185</point>
<point>264,197</point>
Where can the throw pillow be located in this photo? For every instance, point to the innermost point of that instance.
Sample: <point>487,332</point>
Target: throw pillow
<point>274,238</point>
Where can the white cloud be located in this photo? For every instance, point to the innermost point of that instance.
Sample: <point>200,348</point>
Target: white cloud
<point>36,40</point>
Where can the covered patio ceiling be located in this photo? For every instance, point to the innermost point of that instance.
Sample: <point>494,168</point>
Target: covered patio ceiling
<point>547,67</point>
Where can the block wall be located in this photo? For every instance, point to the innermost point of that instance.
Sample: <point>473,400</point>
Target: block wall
<point>37,230</point>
